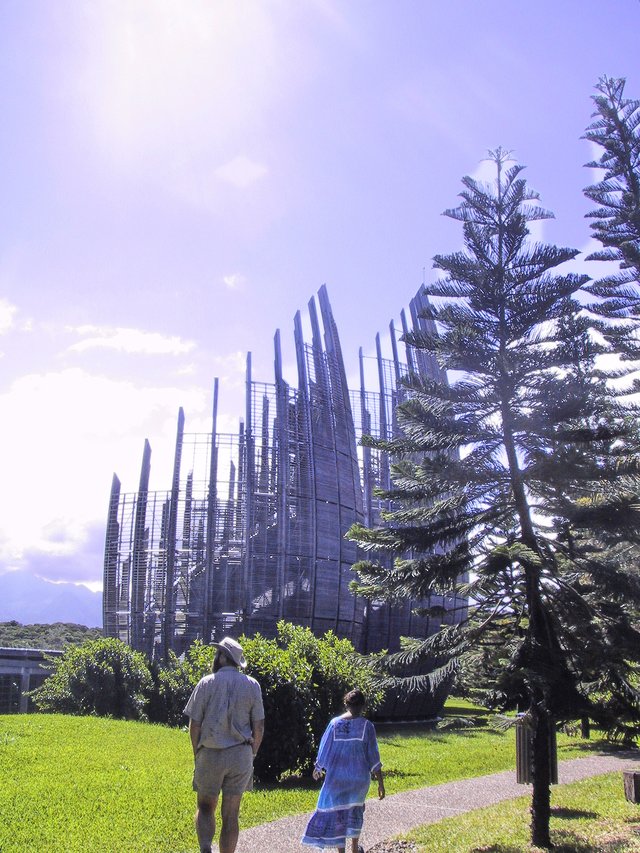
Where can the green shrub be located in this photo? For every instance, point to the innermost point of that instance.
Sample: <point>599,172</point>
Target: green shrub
<point>101,677</point>
<point>288,741</point>
<point>303,680</point>
<point>333,667</point>
<point>173,683</point>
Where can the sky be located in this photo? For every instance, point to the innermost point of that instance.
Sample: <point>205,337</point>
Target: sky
<point>179,177</point>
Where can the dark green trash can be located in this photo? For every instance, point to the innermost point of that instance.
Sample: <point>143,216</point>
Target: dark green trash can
<point>632,785</point>
<point>524,752</point>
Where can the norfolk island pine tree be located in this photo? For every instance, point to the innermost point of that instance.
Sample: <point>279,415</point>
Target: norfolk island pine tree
<point>615,223</point>
<point>615,129</point>
<point>612,510</point>
<point>480,485</point>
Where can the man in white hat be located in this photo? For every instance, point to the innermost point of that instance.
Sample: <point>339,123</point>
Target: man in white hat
<point>226,725</point>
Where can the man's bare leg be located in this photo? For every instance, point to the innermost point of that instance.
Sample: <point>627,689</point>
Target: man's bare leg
<point>230,828</point>
<point>206,820</point>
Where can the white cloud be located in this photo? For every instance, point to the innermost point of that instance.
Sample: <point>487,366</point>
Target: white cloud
<point>129,341</point>
<point>76,429</point>
<point>241,172</point>
<point>235,281</point>
<point>7,313</point>
<point>231,368</point>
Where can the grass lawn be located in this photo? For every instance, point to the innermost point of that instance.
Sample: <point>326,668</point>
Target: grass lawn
<point>456,706</point>
<point>592,815</point>
<point>84,784</point>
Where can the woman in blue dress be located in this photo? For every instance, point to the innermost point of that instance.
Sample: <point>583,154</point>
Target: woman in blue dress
<point>349,756</point>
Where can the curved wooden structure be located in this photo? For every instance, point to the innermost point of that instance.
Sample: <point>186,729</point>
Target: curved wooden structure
<point>252,529</point>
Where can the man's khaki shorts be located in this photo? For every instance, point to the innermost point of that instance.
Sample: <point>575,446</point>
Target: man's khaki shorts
<point>228,770</point>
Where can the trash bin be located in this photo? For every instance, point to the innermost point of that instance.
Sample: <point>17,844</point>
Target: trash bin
<point>524,751</point>
<point>631,780</point>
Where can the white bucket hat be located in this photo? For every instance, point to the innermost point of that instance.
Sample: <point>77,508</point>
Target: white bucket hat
<point>232,649</point>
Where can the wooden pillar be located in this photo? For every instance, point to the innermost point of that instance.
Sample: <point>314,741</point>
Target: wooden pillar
<point>170,612</point>
<point>282,476</point>
<point>139,555</point>
<point>250,458</point>
<point>212,506</point>
<point>111,560</point>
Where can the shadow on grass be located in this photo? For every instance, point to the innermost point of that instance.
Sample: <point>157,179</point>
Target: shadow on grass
<point>568,843</point>
<point>496,848</point>
<point>305,783</point>
<point>460,724</point>
<point>391,743</point>
<point>462,711</point>
<point>471,734</point>
<point>400,774</point>
<point>404,730</point>
<point>605,746</point>
<point>395,740</point>
<point>558,811</point>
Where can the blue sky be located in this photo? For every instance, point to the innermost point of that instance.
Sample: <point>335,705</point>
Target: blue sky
<point>180,176</point>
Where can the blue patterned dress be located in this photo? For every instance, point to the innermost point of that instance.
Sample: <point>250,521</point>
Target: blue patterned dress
<point>349,755</point>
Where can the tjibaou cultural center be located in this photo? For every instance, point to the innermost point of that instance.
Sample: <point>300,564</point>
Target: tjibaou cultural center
<point>251,528</point>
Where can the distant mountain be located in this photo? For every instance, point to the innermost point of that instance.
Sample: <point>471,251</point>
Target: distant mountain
<point>28,599</point>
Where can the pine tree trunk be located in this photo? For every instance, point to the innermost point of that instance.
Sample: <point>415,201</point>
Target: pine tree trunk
<point>541,775</point>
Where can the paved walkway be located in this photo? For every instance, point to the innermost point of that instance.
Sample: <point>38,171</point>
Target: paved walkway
<point>401,812</point>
